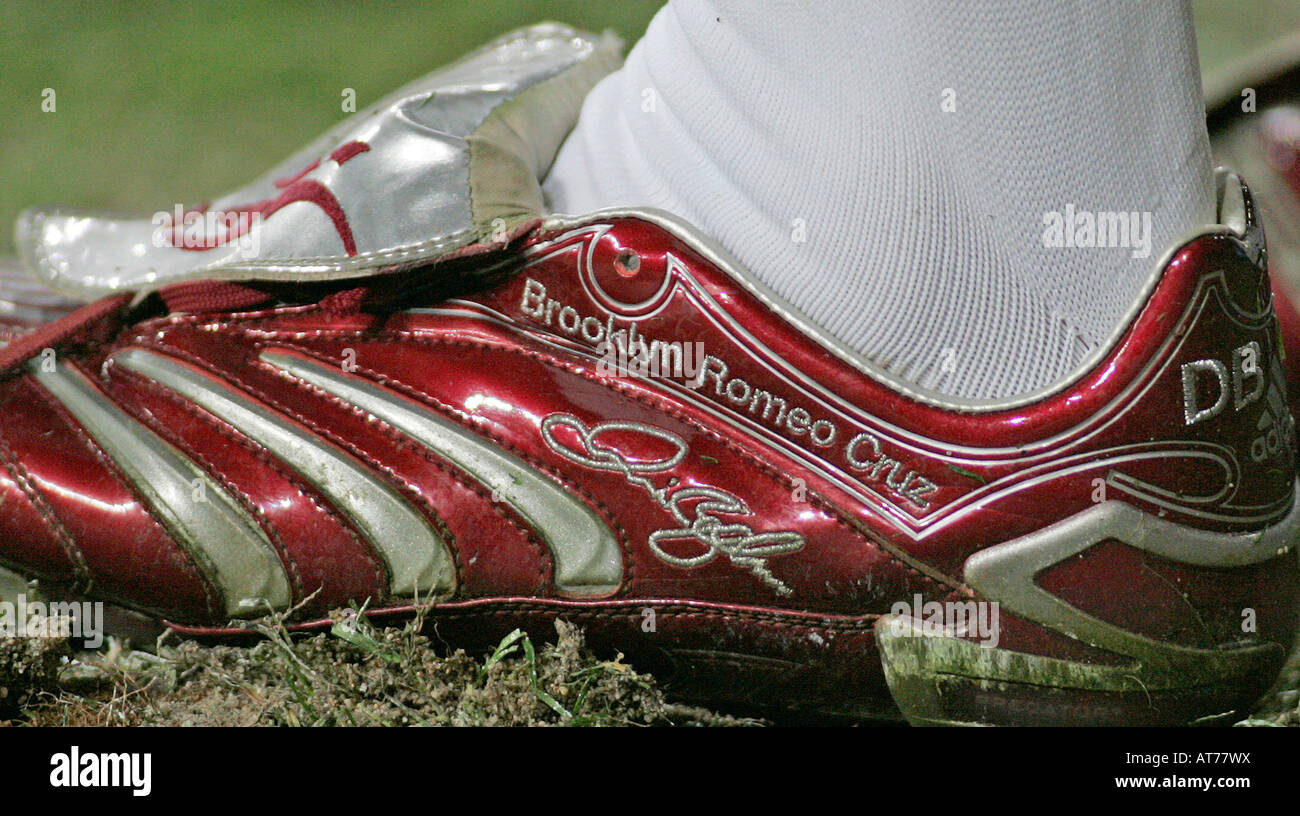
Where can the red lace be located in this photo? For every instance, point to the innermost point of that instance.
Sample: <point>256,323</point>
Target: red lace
<point>224,296</point>
<point>106,315</point>
<point>83,321</point>
<point>211,296</point>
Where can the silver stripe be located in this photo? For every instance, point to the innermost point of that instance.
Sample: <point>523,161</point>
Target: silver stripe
<point>230,548</point>
<point>1006,572</point>
<point>417,557</point>
<point>587,558</point>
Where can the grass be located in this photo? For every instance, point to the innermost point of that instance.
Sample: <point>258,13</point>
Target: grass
<point>359,675</point>
<point>353,675</point>
<point>157,103</point>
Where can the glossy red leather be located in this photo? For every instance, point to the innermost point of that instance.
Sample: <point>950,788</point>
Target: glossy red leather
<point>888,494</point>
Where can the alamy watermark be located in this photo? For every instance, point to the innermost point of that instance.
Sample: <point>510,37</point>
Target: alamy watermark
<point>84,620</point>
<point>75,768</point>
<point>657,359</point>
<point>202,229</point>
<point>623,350</point>
<point>969,619</point>
<point>1082,229</point>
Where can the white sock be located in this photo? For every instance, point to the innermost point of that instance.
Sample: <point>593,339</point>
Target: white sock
<point>924,228</point>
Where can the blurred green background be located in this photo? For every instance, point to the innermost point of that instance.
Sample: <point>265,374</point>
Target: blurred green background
<point>178,102</point>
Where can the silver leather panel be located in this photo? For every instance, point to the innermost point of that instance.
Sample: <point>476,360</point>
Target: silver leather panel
<point>587,558</point>
<point>1007,572</point>
<point>419,561</point>
<point>450,160</point>
<point>229,547</point>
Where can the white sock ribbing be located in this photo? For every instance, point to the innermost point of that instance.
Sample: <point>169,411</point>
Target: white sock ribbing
<point>916,147</point>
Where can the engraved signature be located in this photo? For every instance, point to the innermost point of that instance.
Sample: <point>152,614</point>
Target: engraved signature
<point>695,509</point>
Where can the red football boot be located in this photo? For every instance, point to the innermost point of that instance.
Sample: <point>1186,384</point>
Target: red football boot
<point>514,418</point>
